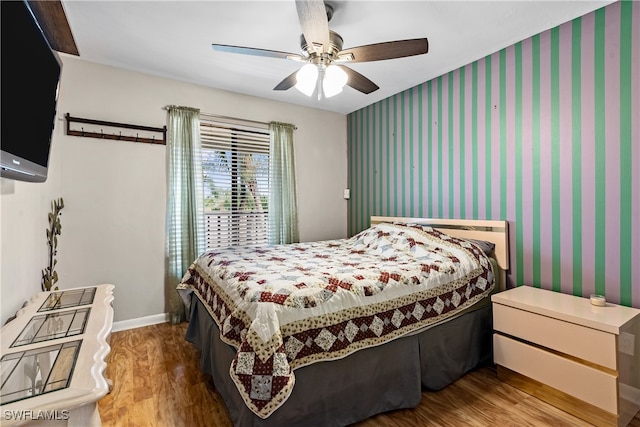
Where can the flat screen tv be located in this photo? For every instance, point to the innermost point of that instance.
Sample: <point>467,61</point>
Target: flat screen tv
<point>30,77</point>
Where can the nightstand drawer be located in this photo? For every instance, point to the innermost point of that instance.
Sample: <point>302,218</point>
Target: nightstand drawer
<point>581,381</point>
<point>578,341</point>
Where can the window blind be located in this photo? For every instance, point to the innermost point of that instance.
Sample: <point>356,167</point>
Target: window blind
<point>235,165</point>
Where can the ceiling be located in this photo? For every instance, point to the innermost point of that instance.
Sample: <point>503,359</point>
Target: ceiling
<point>173,39</point>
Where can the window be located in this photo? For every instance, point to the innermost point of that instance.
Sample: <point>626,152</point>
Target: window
<point>235,167</point>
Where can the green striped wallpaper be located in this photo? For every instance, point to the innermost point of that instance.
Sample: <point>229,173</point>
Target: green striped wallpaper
<point>544,134</point>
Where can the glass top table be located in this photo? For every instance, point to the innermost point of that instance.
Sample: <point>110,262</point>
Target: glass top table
<point>53,356</point>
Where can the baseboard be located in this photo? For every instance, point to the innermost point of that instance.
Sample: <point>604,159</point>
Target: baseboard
<point>139,322</point>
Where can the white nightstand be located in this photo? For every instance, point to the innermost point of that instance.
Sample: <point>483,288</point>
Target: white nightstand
<point>563,350</point>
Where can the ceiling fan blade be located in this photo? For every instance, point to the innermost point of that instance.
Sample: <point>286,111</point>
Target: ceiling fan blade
<point>358,81</point>
<point>255,52</point>
<point>314,23</point>
<point>288,82</point>
<point>386,50</point>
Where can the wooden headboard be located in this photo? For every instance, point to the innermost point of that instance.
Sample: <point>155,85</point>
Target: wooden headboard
<point>494,231</point>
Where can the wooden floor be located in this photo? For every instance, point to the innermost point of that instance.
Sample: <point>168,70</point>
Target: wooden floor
<point>157,382</point>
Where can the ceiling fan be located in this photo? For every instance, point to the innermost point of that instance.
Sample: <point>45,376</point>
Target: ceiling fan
<point>321,50</point>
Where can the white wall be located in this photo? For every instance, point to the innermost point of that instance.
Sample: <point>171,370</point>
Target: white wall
<point>23,242</point>
<point>115,192</point>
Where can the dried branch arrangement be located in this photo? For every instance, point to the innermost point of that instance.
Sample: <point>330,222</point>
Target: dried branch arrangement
<point>49,275</point>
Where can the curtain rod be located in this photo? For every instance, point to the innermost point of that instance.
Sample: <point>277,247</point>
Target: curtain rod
<point>217,116</point>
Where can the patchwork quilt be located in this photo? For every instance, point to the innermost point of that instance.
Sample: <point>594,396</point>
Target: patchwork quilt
<point>287,306</point>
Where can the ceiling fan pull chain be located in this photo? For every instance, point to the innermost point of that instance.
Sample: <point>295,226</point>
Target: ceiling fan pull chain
<point>319,82</point>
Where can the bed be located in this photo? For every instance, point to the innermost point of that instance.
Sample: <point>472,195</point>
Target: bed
<point>331,333</point>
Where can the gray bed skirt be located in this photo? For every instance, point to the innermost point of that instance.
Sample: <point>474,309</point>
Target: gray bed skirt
<point>365,383</point>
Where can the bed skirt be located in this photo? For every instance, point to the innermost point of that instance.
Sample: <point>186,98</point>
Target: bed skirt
<point>365,383</point>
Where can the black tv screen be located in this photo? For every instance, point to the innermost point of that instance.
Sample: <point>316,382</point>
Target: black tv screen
<point>30,75</point>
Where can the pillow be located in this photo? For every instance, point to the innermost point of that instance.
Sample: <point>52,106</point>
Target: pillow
<point>487,247</point>
<point>449,226</point>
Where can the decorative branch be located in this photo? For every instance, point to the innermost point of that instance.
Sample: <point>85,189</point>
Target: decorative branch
<point>49,275</point>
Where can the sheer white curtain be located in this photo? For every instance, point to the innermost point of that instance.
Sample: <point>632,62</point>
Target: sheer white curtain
<point>185,204</point>
<point>283,215</point>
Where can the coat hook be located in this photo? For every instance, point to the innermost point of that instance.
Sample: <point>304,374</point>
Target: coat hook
<point>136,137</point>
<point>82,131</point>
<point>119,135</point>
<point>101,134</point>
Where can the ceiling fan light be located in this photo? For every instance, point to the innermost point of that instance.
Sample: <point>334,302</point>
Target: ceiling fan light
<point>335,78</point>
<point>306,79</point>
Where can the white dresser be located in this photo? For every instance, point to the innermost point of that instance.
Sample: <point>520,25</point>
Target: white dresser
<point>54,356</point>
<point>576,356</point>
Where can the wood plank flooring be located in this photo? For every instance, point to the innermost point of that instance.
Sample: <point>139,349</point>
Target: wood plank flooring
<point>157,382</point>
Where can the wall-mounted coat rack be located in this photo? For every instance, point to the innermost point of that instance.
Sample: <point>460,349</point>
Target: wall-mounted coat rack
<point>149,131</point>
